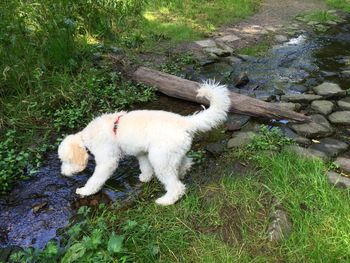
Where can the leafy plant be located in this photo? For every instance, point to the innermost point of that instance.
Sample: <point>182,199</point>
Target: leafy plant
<point>16,163</point>
<point>269,138</point>
<point>197,156</point>
<point>176,64</point>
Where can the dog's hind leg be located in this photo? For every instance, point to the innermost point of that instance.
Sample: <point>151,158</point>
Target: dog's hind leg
<point>166,169</point>
<point>175,189</point>
<point>146,168</point>
<point>185,166</point>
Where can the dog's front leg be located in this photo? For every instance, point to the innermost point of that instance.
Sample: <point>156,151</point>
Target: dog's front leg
<point>103,171</point>
<point>146,169</point>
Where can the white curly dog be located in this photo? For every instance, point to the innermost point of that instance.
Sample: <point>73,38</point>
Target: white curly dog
<point>159,140</point>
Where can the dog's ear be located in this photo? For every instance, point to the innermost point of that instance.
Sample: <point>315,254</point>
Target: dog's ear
<point>73,151</point>
<point>79,154</point>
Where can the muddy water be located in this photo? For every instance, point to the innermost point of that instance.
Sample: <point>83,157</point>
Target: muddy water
<point>32,213</point>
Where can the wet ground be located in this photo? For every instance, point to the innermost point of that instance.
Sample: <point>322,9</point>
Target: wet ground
<point>32,213</point>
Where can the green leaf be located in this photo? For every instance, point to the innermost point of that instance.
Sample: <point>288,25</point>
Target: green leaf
<point>115,243</point>
<point>74,253</point>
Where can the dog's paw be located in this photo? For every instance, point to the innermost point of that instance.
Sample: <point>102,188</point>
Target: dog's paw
<point>83,191</point>
<point>165,201</point>
<point>145,178</point>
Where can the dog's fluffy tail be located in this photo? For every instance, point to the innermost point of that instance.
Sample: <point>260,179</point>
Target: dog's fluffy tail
<point>218,96</point>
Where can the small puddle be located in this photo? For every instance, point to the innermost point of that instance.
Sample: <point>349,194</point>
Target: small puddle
<point>32,213</point>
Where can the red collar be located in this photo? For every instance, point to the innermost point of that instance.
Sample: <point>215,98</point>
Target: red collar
<point>115,126</point>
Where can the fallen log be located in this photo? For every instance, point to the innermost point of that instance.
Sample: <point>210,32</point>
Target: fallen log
<point>177,87</point>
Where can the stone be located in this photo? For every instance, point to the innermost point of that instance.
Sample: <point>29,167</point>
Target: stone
<point>219,71</point>
<point>324,107</point>
<point>246,57</point>
<point>313,23</point>
<point>38,207</point>
<point>235,122</point>
<point>217,51</point>
<point>213,56</point>
<point>328,73</point>
<point>298,88</point>
<point>116,50</point>
<point>266,97</point>
<point>215,148</point>
<point>345,74</point>
<point>340,117</point>
<point>337,180</point>
<point>225,47</point>
<point>343,163</point>
<point>344,60</point>
<point>317,128</point>
<point>271,28</point>
<point>302,141</point>
<point>240,139</point>
<point>281,38</point>
<point>331,23</point>
<point>308,153</point>
<point>280,227</point>
<point>228,38</point>
<point>301,98</point>
<point>295,137</point>
<point>329,90</point>
<point>206,43</point>
<point>233,60</point>
<point>344,104</point>
<point>96,58</point>
<point>251,126</point>
<point>204,61</point>
<point>242,80</point>
<point>330,146</point>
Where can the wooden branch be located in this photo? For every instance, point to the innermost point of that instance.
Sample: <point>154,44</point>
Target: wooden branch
<point>177,87</point>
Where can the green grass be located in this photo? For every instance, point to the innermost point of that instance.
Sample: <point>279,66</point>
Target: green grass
<point>256,50</point>
<point>186,20</point>
<point>321,16</point>
<point>224,219</point>
<point>339,4</point>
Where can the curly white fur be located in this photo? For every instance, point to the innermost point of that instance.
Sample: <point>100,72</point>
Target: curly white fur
<point>159,140</point>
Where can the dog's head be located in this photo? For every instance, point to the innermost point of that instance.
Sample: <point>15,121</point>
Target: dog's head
<point>73,155</point>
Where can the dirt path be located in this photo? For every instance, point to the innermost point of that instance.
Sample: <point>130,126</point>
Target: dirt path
<point>280,12</point>
<point>274,16</point>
